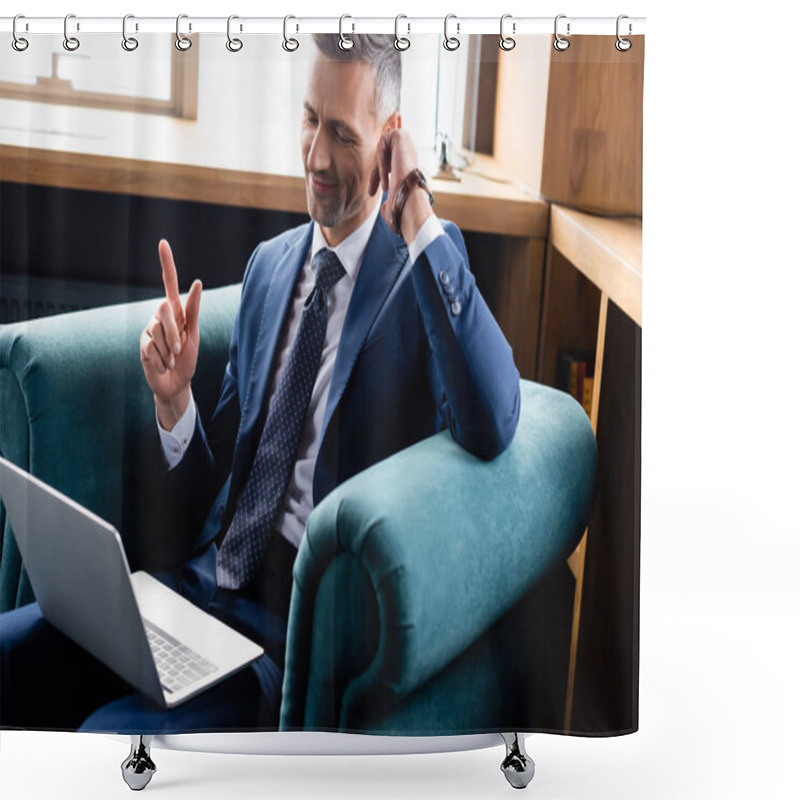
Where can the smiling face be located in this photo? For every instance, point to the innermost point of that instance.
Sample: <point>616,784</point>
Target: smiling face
<point>339,140</point>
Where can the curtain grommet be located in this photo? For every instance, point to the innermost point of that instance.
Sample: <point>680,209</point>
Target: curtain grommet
<point>451,43</point>
<point>401,43</point>
<point>19,43</point>
<point>182,42</point>
<point>507,43</point>
<point>289,44</point>
<point>71,43</point>
<point>233,44</point>
<point>129,43</point>
<point>560,43</point>
<point>623,45</point>
<point>345,43</point>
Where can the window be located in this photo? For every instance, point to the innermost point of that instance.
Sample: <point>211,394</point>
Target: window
<point>154,79</point>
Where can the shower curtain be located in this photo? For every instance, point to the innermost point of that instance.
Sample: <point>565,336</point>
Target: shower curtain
<point>456,550</point>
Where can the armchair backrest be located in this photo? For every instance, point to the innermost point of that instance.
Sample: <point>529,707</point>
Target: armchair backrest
<point>75,405</point>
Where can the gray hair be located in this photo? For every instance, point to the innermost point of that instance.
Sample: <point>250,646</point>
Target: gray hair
<point>381,54</point>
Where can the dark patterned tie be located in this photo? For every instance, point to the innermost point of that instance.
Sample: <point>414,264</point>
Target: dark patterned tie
<point>260,502</point>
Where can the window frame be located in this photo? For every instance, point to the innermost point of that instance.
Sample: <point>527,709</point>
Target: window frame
<point>182,102</point>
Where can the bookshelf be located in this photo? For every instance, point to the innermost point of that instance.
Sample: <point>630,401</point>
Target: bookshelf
<point>592,301</point>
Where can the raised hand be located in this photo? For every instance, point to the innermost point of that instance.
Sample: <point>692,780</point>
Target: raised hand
<point>396,158</point>
<point>170,342</point>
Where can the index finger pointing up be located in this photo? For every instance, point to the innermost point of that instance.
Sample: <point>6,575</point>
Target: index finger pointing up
<point>169,275</point>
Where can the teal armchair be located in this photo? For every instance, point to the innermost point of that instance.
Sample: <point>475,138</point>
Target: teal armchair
<point>431,592</point>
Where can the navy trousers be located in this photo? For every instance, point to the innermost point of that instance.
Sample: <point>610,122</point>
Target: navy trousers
<point>47,682</point>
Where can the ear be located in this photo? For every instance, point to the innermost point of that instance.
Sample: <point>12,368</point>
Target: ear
<point>394,120</point>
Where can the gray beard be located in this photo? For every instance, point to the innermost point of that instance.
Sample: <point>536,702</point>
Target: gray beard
<point>331,217</point>
<point>329,220</point>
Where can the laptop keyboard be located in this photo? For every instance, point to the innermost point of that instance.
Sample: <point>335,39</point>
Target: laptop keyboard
<point>178,665</point>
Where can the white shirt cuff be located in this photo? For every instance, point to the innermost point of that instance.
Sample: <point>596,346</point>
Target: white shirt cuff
<point>175,442</point>
<point>430,229</point>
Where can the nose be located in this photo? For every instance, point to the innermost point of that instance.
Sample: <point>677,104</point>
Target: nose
<point>319,154</point>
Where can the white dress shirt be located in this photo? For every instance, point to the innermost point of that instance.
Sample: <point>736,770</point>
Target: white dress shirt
<point>298,501</point>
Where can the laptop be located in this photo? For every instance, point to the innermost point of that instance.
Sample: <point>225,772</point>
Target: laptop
<point>152,637</point>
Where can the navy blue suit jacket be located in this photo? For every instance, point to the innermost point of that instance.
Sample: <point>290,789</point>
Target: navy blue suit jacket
<point>419,352</point>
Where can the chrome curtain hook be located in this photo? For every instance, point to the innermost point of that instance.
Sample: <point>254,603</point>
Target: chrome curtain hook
<point>451,42</point>
<point>19,43</point>
<point>129,43</point>
<point>70,42</point>
<point>560,43</point>
<point>233,44</point>
<point>401,43</point>
<point>290,45</point>
<point>181,42</point>
<point>344,42</point>
<point>506,42</point>
<point>623,45</point>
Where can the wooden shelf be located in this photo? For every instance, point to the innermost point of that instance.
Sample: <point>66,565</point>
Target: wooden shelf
<point>474,203</point>
<point>608,251</point>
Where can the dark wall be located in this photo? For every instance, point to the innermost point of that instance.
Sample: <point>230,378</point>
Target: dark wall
<point>71,246</point>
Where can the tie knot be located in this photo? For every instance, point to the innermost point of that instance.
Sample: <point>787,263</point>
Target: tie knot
<point>328,269</point>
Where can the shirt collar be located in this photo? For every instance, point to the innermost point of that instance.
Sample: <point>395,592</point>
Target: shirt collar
<point>350,250</point>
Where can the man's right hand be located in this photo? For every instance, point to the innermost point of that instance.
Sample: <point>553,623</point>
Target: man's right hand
<point>169,344</point>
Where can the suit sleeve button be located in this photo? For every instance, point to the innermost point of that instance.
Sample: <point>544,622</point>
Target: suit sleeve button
<point>444,278</point>
<point>455,307</point>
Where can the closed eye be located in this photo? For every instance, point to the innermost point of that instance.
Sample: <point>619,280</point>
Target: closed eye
<point>309,114</point>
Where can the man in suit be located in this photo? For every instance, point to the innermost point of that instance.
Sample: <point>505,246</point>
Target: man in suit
<point>357,335</point>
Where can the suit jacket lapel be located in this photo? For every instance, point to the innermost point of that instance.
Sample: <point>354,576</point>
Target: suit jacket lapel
<point>384,257</point>
<point>277,300</point>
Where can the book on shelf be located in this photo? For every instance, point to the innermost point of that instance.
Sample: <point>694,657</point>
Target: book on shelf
<point>575,375</point>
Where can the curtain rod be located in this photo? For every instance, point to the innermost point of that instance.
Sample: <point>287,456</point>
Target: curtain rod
<point>406,25</point>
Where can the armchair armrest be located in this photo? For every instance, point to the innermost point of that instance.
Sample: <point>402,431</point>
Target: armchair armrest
<point>407,564</point>
<point>76,406</point>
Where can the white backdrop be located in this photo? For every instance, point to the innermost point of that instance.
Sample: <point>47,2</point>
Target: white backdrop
<point>720,546</point>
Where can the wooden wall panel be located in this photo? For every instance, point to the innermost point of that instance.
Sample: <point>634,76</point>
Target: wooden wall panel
<point>509,273</point>
<point>593,133</point>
